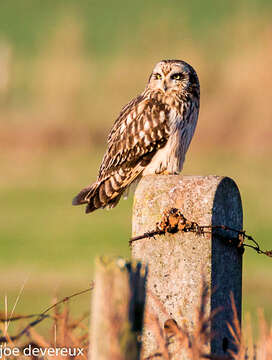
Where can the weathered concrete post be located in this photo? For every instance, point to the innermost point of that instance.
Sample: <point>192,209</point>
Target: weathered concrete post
<point>176,262</point>
<point>118,303</point>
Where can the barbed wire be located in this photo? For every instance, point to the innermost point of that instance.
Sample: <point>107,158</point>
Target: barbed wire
<point>174,221</point>
<point>39,317</point>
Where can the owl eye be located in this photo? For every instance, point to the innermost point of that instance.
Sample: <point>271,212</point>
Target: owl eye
<point>157,76</point>
<point>177,76</point>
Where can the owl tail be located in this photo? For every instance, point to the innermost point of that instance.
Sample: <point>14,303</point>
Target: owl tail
<point>98,195</point>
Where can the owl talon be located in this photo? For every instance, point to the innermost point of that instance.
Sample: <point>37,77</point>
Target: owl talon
<point>166,172</point>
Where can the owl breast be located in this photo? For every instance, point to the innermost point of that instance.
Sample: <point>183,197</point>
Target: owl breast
<point>170,158</point>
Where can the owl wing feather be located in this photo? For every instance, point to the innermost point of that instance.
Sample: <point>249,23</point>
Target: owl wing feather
<point>124,113</point>
<point>140,130</point>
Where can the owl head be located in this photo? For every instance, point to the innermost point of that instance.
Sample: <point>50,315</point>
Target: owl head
<point>174,76</point>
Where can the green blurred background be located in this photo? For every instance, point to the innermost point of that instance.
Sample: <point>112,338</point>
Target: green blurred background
<point>66,69</point>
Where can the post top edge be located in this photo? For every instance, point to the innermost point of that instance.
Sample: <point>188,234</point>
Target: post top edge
<point>216,178</point>
<point>157,182</point>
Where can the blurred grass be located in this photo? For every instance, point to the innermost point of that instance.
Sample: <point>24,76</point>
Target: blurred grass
<point>66,68</point>
<point>108,27</point>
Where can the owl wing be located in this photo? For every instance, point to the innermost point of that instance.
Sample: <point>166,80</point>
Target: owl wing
<point>124,113</point>
<point>140,130</point>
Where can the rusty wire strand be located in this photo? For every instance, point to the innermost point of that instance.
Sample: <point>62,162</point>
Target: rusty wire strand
<point>39,317</point>
<point>174,221</point>
<point>68,298</point>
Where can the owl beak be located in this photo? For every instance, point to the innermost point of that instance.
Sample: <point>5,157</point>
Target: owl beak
<point>164,86</point>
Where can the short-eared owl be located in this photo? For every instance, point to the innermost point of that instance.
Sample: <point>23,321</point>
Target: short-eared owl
<point>151,135</point>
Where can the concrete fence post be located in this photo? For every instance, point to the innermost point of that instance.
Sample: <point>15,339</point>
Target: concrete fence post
<point>117,310</point>
<point>177,262</point>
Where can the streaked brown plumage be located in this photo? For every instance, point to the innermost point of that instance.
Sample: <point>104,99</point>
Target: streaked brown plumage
<point>151,135</point>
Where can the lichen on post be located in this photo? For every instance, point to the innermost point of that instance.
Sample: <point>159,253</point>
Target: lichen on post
<point>177,263</point>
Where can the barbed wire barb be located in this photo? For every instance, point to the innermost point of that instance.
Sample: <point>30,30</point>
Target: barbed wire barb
<point>174,221</point>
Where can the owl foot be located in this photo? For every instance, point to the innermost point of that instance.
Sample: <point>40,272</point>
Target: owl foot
<point>166,172</point>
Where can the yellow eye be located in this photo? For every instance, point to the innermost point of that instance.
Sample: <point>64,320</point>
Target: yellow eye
<point>176,76</point>
<point>157,76</point>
